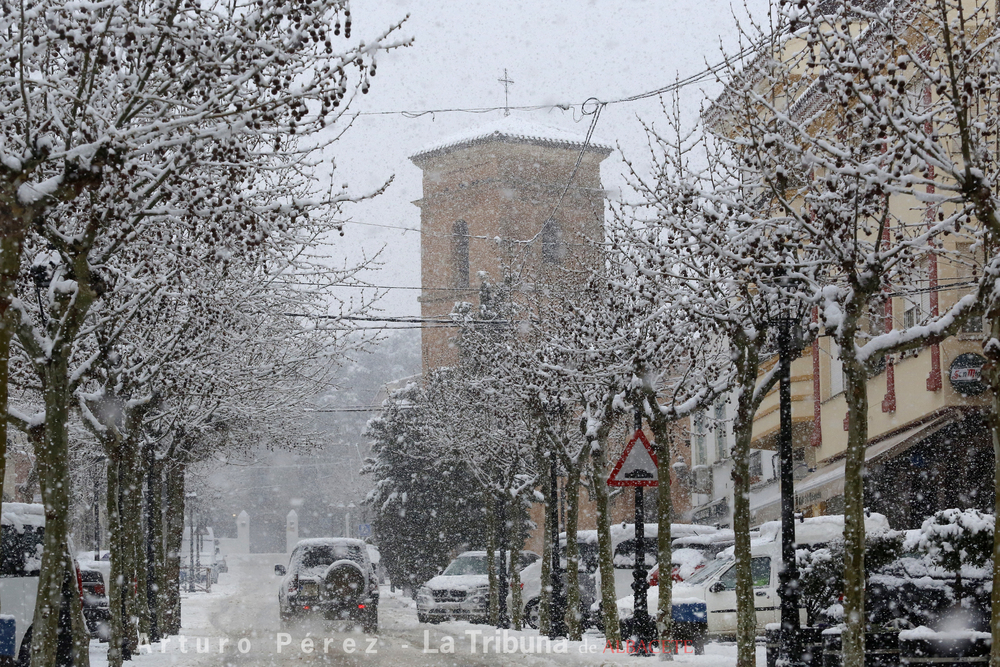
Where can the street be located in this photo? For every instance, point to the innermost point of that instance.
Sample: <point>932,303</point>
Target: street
<point>240,616</point>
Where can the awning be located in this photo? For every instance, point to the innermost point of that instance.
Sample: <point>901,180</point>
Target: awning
<point>828,482</point>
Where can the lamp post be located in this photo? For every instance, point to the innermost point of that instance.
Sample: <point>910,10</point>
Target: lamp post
<point>97,507</point>
<point>789,342</point>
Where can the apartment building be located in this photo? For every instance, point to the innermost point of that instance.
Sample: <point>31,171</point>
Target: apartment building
<point>929,443</point>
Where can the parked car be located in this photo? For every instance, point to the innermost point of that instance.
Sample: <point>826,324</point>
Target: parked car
<point>22,532</point>
<point>331,577</point>
<point>462,591</point>
<point>623,545</point>
<point>95,603</point>
<point>705,605</point>
<point>531,581</point>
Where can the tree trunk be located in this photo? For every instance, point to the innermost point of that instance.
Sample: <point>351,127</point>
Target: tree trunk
<point>174,529</point>
<point>81,635</point>
<point>746,615</point>
<point>516,546</point>
<point>135,564</point>
<point>154,540</point>
<point>53,461</point>
<point>609,607</point>
<point>664,511</point>
<point>115,601</point>
<point>854,515</point>
<point>491,549</point>
<point>574,623</point>
<point>545,601</point>
<point>10,268</point>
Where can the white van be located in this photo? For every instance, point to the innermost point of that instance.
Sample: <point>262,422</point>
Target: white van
<point>23,528</point>
<point>709,597</point>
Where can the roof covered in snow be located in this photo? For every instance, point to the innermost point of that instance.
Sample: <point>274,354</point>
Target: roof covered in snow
<point>516,131</point>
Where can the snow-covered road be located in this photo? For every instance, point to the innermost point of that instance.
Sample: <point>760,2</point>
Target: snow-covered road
<point>236,625</point>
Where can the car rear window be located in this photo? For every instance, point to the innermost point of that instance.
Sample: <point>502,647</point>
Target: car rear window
<point>322,555</point>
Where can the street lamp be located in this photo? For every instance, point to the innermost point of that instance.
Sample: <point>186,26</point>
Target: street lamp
<point>97,507</point>
<point>789,346</point>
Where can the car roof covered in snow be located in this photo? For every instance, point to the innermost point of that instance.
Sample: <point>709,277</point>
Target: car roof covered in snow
<point>20,515</point>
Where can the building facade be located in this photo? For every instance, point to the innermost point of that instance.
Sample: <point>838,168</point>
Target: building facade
<point>929,443</point>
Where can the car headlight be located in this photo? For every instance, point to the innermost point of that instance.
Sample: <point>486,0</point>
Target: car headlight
<point>423,592</point>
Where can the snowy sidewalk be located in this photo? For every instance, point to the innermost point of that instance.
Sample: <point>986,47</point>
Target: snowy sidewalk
<point>240,617</point>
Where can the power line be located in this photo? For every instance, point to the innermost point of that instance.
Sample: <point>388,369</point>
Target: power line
<point>698,77</point>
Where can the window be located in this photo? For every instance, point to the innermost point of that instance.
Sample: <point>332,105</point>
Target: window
<point>910,316</point>
<point>701,480</point>
<point>460,254</point>
<point>698,429</point>
<point>721,450</point>
<point>552,245</point>
<point>324,555</point>
<point>624,557</point>
<point>756,466</point>
<point>836,369</point>
<point>467,565</point>
<point>760,573</point>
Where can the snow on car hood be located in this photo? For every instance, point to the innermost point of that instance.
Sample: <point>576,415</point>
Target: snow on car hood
<point>461,581</point>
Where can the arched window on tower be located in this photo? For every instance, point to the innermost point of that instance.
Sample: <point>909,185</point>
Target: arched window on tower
<point>552,245</point>
<point>460,254</point>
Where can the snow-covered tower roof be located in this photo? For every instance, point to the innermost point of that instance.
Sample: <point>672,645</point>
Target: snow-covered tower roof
<point>513,130</point>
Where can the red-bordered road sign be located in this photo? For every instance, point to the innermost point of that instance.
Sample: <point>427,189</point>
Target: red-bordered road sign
<point>637,465</point>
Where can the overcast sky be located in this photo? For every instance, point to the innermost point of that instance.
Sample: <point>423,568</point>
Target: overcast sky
<point>555,51</point>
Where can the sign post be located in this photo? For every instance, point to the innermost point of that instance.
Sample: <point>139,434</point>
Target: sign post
<point>637,467</point>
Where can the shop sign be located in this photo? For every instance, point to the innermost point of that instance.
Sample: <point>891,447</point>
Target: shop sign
<point>966,374</point>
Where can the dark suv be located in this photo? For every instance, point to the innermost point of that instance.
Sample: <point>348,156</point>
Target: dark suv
<point>332,577</point>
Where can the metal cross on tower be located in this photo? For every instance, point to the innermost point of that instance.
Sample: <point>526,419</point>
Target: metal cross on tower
<point>507,83</point>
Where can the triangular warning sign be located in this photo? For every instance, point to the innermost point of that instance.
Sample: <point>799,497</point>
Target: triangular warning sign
<point>637,465</point>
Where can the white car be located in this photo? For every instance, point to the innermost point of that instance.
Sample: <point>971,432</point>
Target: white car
<point>462,591</point>
<point>22,530</point>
